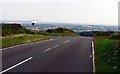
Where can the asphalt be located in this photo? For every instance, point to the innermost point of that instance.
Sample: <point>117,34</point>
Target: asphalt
<point>59,54</point>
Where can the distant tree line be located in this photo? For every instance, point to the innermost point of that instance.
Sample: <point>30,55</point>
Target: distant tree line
<point>115,35</point>
<point>88,34</point>
<point>59,30</point>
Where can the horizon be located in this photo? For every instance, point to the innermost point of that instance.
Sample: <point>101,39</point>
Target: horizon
<point>18,21</point>
<point>77,11</point>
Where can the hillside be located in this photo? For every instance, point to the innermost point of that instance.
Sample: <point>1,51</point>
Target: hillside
<point>13,26</point>
<point>9,29</point>
<point>59,32</point>
<point>14,34</point>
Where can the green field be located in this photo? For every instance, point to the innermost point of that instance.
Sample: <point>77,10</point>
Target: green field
<point>107,59</point>
<point>12,40</point>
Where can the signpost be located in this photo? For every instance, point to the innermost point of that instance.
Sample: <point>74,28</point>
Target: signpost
<point>34,24</point>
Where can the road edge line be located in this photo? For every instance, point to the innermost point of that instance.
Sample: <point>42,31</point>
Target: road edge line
<point>24,44</point>
<point>93,53</point>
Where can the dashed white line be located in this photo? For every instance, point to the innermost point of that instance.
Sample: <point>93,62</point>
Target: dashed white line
<point>51,47</point>
<point>93,52</point>
<point>56,45</point>
<point>66,41</point>
<point>51,39</point>
<point>16,65</point>
<point>47,49</point>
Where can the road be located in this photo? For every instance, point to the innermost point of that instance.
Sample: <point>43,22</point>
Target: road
<point>59,54</point>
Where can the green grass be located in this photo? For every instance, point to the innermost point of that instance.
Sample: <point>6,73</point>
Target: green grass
<point>105,48</point>
<point>11,40</point>
<point>59,34</point>
<point>21,39</point>
<point>14,34</point>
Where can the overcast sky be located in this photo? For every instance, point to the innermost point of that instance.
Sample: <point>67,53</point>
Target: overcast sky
<point>63,11</point>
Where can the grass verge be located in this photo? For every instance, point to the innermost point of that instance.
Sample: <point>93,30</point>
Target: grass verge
<point>106,54</point>
<point>12,40</point>
<point>59,34</point>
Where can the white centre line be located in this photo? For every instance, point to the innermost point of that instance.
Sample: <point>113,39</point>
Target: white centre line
<point>93,52</point>
<point>56,45</point>
<point>51,39</point>
<point>66,41</point>
<point>51,47</point>
<point>47,49</point>
<point>16,65</point>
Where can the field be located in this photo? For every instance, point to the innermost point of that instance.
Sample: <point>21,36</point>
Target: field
<point>107,53</point>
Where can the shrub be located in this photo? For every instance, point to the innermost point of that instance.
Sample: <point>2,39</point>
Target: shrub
<point>59,30</point>
<point>103,33</point>
<point>115,36</point>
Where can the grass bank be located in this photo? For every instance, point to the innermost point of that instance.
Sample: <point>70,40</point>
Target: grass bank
<point>14,34</point>
<point>107,59</point>
<point>12,40</point>
<point>59,34</point>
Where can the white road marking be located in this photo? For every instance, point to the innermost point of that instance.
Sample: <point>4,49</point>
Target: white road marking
<point>51,47</point>
<point>16,65</point>
<point>23,44</point>
<point>47,49</point>
<point>93,52</point>
<point>56,45</point>
<point>10,47</point>
<point>66,41</point>
<point>51,39</point>
<point>90,56</point>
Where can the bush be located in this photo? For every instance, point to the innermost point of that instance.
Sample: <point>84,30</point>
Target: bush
<point>107,54</point>
<point>59,30</point>
<point>103,33</point>
<point>111,56</point>
<point>115,36</point>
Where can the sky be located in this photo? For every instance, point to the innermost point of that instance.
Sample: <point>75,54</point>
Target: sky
<point>61,11</point>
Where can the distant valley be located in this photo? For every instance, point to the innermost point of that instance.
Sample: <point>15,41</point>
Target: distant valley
<point>75,27</point>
